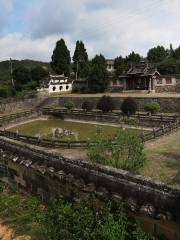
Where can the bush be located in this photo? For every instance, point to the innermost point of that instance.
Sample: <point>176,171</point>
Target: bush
<point>129,106</point>
<point>152,107</point>
<point>69,105</point>
<point>87,106</point>
<point>105,104</point>
<point>177,88</point>
<point>125,152</point>
<point>86,220</point>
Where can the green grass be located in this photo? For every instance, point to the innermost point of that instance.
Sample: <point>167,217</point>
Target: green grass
<point>163,162</point>
<point>21,212</point>
<point>83,130</point>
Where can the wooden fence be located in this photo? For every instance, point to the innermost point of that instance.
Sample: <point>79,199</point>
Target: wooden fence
<point>50,143</point>
<point>139,116</point>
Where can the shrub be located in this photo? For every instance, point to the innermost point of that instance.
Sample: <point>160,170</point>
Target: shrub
<point>177,88</point>
<point>86,220</point>
<point>69,105</point>
<point>87,106</point>
<point>129,106</point>
<point>105,104</point>
<point>125,151</point>
<point>152,107</point>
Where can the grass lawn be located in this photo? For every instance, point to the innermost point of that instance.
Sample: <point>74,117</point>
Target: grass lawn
<point>82,131</point>
<point>163,161</point>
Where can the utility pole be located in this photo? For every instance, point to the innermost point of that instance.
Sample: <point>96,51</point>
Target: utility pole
<point>11,70</point>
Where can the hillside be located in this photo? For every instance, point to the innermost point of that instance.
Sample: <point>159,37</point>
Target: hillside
<point>5,67</point>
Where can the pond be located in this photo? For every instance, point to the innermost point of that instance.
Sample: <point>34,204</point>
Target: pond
<point>66,130</point>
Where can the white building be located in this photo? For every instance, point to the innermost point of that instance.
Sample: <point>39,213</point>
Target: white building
<point>59,84</point>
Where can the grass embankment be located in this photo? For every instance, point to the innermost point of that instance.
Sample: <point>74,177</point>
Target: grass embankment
<point>163,160</point>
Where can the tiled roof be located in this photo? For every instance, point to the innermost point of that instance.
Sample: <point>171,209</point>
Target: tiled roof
<point>142,69</point>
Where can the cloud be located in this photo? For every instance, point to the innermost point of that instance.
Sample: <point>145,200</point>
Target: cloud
<point>109,27</point>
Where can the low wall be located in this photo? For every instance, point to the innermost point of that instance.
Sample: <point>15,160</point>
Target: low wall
<point>167,104</point>
<point>46,175</point>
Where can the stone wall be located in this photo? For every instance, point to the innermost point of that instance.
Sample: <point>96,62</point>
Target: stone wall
<point>47,175</point>
<point>167,104</point>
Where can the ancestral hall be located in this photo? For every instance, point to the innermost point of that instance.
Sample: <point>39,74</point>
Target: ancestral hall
<point>144,77</point>
<point>141,77</point>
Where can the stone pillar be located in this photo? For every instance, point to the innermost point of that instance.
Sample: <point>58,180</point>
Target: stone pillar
<point>150,84</point>
<point>124,84</point>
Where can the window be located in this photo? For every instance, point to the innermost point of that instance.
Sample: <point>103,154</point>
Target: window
<point>159,81</point>
<point>168,81</point>
<point>67,87</point>
<point>61,88</point>
<point>54,89</point>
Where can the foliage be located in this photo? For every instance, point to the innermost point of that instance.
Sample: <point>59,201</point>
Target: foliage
<point>5,74</point>
<point>22,76</point>
<point>129,106</point>
<point>129,120</point>
<point>61,58</point>
<point>105,104</point>
<point>152,107</point>
<point>168,66</point>
<point>86,220</point>
<point>21,212</point>
<point>125,151</point>
<point>98,76</point>
<point>69,105</point>
<point>79,87</point>
<point>87,106</point>
<point>157,54</point>
<point>39,73</point>
<point>177,88</point>
<point>178,109</point>
<point>80,59</point>
<point>122,64</point>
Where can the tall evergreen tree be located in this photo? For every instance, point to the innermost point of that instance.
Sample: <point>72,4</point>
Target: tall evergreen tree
<point>61,58</point>
<point>98,77</point>
<point>157,54</point>
<point>80,59</point>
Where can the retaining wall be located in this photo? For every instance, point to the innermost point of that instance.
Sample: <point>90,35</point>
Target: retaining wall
<point>167,104</point>
<point>47,175</point>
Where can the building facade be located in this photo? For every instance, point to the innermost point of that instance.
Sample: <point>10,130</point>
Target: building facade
<point>59,84</point>
<point>144,77</point>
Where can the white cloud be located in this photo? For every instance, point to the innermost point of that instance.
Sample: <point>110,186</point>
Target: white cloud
<point>109,27</point>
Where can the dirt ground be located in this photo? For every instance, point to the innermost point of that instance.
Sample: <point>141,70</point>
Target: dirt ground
<point>7,233</point>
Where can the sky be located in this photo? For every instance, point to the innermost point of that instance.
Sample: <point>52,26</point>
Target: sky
<point>29,29</point>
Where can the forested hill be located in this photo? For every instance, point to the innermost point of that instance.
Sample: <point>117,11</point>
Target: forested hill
<point>5,67</point>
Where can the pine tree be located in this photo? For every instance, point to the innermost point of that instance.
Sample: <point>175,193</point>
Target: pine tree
<point>98,77</point>
<point>80,59</point>
<point>61,58</point>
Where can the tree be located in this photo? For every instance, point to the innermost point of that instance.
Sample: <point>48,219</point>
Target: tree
<point>98,77</point>
<point>177,53</point>
<point>133,58</point>
<point>22,76</point>
<point>124,151</point>
<point>61,58</point>
<point>129,106</point>
<point>39,73</point>
<point>105,104</point>
<point>87,106</point>
<point>152,107</point>
<point>157,54</point>
<point>119,65</point>
<point>80,59</point>
<point>168,66</point>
